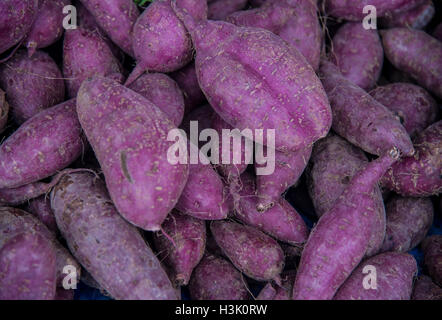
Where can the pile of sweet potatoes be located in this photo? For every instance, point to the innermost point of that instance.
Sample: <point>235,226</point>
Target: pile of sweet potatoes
<point>220,149</point>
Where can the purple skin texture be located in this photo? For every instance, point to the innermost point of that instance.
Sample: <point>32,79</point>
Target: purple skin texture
<point>110,249</point>
<point>20,195</point>
<point>204,196</point>
<point>425,289</point>
<point>16,19</point>
<point>288,168</point>
<point>4,110</point>
<point>252,87</point>
<point>48,25</point>
<point>221,9</point>
<point>254,253</point>
<point>353,10</point>
<point>294,21</point>
<point>419,175</point>
<point>334,163</point>
<point>408,221</point>
<point>340,239</point>
<point>85,54</point>
<point>432,248</point>
<point>217,279</point>
<point>279,292</point>
<point>128,134</point>
<point>31,84</point>
<point>416,18</point>
<point>281,221</point>
<point>182,256</point>
<point>163,92</point>
<point>359,118</point>
<point>266,293</point>
<point>412,104</point>
<point>358,53</point>
<point>41,208</point>
<point>46,143</point>
<point>116,18</point>
<point>416,53</point>
<point>160,40</point>
<point>395,273</point>
<point>188,82</point>
<point>21,221</point>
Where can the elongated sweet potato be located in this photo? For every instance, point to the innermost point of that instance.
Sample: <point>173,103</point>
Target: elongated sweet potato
<point>220,9</point>
<point>257,255</point>
<point>31,84</point>
<point>412,104</point>
<point>294,21</point>
<point>109,248</point>
<point>340,239</point>
<point>419,175</point>
<point>425,289</point>
<point>281,221</point>
<point>41,208</point>
<point>432,248</point>
<point>163,92</point>
<point>334,163</point>
<point>354,10</point>
<point>189,242</point>
<point>129,136</point>
<point>394,274</point>
<point>86,54</point>
<point>48,25</point>
<point>252,87</point>
<point>46,143</point>
<point>16,19</point>
<point>416,53</point>
<point>216,279</point>
<point>358,54</point>
<point>188,82</point>
<point>416,18</point>
<point>408,221</point>
<point>359,118</point>
<point>116,18</point>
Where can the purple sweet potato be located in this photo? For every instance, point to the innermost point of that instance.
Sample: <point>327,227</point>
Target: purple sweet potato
<point>116,18</point>
<point>129,136</point>
<point>48,25</point>
<point>288,168</point>
<point>109,248</point>
<point>204,196</point>
<point>352,10</point>
<point>163,92</point>
<point>46,143</point>
<point>4,110</point>
<point>257,255</point>
<point>252,87</point>
<point>333,165</point>
<point>358,53</point>
<point>412,104</point>
<point>41,208</point>
<point>281,221</point>
<point>408,221</point>
<point>187,249</point>
<point>294,21</point>
<point>394,279</point>
<point>416,18</point>
<point>160,40</point>
<point>432,248</point>
<point>188,82</point>
<point>419,175</point>
<point>425,289</point>
<point>31,84</point>
<point>16,19</point>
<point>86,54</point>
<point>279,292</point>
<point>416,53</point>
<point>359,118</point>
<point>216,279</point>
<point>340,239</point>
<point>221,9</point>
<point>20,195</point>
